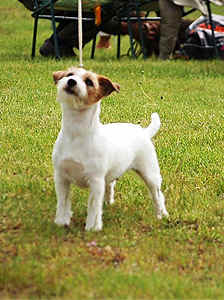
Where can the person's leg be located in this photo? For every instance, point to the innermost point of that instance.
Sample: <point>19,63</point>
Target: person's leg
<point>67,32</point>
<point>170,23</point>
<point>68,38</point>
<point>65,47</point>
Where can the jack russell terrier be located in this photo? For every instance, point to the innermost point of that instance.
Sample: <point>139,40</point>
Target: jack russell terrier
<point>94,155</point>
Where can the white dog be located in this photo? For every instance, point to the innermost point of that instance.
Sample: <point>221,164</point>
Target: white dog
<point>94,155</point>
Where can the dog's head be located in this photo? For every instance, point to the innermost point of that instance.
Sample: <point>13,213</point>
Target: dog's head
<point>82,88</point>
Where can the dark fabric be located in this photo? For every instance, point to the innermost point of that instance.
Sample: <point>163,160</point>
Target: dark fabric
<point>68,30</point>
<point>29,4</point>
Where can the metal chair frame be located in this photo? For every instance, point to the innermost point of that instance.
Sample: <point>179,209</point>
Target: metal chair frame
<point>47,12</point>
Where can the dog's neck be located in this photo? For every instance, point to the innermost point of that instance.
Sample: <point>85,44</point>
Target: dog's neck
<point>80,122</point>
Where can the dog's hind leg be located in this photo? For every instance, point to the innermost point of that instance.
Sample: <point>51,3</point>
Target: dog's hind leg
<point>109,194</point>
<point>63,213</point>
<point>95,204</point>
<point>153,182</point>
<point>150,173</point>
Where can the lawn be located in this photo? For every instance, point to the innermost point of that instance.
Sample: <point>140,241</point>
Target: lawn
<point>135,256</point>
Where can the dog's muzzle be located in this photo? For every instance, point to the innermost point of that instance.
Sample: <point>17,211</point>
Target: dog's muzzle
<point>71,83</point>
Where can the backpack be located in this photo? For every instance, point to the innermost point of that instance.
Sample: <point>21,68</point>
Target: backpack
<point>199,41</point>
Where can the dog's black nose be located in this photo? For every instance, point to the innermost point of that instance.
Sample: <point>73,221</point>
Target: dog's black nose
<point>71,83</point>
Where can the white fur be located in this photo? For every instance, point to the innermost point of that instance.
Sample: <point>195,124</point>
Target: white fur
<point>94,155</point>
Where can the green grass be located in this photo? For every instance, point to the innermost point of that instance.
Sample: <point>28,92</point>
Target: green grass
<point>135,256</point>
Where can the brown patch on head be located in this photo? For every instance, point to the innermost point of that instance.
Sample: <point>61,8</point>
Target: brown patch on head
<point>106,87</point>
<point>98,86</point>
<point>58,75</point>
<point>90,79</point>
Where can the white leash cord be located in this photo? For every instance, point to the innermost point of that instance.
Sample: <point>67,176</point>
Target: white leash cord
<point>80,32</point>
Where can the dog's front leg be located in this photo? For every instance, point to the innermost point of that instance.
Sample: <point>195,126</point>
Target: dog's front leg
<point>95,204</point>
<point>109,194</point>
<point>63,214</point>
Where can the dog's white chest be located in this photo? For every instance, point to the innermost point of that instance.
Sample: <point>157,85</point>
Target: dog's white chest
<point>74,172</point>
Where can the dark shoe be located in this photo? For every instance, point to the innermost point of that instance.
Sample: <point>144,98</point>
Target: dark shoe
<point>47,49</point>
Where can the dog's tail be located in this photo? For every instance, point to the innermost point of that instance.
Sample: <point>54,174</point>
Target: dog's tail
<point>154,126</point>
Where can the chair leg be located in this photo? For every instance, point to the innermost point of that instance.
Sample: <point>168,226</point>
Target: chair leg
<point>34,37</point>
<point>56,46</point>
<point>119,41</point>
<point>131,39</point>
<point>212,28</point>
<point>141,33</point>
<point>93,47</point>
<point>118,46</point>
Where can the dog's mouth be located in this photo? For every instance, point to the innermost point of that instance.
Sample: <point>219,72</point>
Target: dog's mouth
<point>69,90</point>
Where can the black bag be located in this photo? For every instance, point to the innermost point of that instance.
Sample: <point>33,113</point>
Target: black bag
<point>199,42</point>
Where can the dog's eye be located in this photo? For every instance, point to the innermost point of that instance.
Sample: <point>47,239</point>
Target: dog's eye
<point>69,74</point>
<point>89,82</point>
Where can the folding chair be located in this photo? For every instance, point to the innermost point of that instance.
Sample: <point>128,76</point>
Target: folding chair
<point>54,11</point>
<point>125,15</point>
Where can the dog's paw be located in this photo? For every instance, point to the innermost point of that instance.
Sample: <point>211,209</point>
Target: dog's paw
<point>95,227</point>
<point>62,221</point>
<point>162,214</point>
<point>111,200</point>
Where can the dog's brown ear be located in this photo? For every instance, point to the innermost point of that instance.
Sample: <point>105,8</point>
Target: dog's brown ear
<point>107,86</point>
<point>58,75</point>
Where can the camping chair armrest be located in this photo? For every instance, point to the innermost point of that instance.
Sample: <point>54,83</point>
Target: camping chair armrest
<point>39,8</point>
